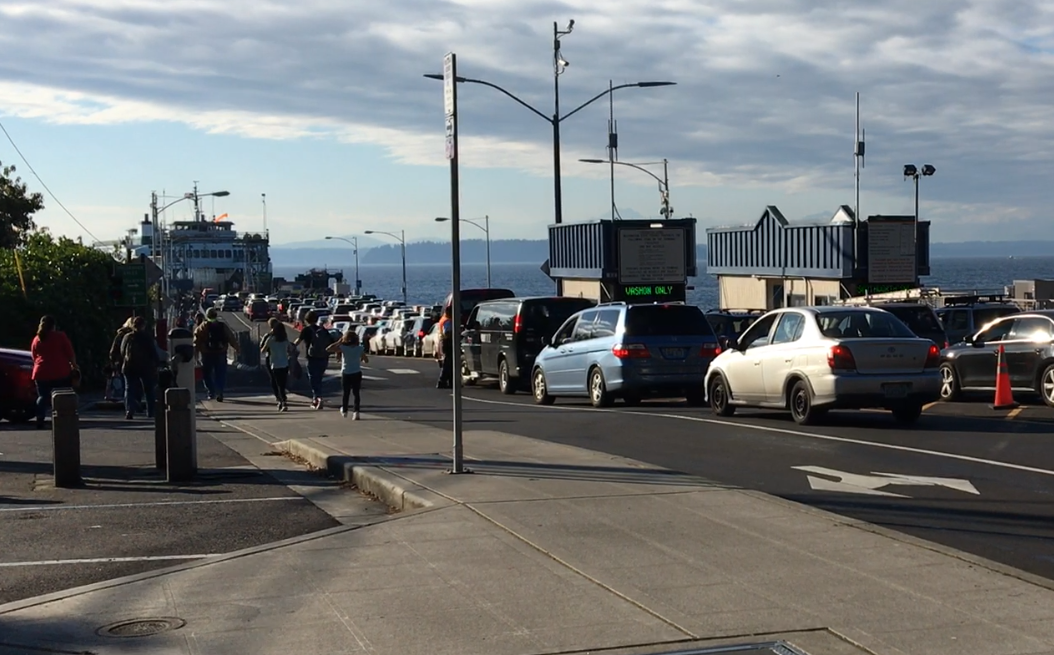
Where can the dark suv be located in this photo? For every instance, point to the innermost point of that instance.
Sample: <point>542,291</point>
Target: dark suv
<point>1028,344</point>
<point>921,319</point>
<point>963,316</point>
<point>502,337</point>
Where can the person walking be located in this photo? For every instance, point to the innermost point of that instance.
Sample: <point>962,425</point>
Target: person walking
<point>352,356</point>
<point>54,363</point>
<point>212,339</point>
<point>317,340</point>
<point>446,340</point>
<point>140,360</point>
<point>277,347</point>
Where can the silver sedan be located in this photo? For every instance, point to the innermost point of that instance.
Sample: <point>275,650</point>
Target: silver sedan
<point>812,359</point>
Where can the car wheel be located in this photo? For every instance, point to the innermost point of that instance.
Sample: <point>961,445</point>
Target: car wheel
<point>695,397</point>
<point>950,389</point>
<point>720,400</point>
<point>466,376</point>
<point>539,388</point>
<point>907,413</point>
<point>505,383</point>
<point>801,406</point>
<point>20,415</point>
<point>1046,385</point>
<point>631,399</point>
<point>598,390</point>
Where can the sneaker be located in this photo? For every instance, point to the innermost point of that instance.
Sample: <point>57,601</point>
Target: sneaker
<point>219,398</point>
<point>128,416</point>
<point>314,403</point>
<point>343,412</point>
<point>354,416</point>
<point>285,408</point>
<point>319,405</point>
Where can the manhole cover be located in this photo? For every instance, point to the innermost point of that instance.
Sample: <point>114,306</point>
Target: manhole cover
<point>141,627</point>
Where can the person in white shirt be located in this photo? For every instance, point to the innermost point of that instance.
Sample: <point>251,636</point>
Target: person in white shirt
<point>277,347</point>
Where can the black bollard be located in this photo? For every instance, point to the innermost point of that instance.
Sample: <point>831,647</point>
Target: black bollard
<point>164,382</point>
<point>66,439</point>
<point>179,433</point>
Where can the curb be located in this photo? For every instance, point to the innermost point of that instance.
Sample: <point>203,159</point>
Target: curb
<point>393,490</point>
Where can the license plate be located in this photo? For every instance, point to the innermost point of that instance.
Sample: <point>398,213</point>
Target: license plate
<point>896,390</point>
<point>674,353</point>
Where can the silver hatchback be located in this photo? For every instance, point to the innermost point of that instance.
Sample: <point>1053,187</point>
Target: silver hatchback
<point>812,359</point>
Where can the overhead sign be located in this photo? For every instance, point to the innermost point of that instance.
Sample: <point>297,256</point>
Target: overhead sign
<point>131,285</point>
<point>872,485</point>
<point>651,256</point>
<point>891,250</point>
<point>649,293</point>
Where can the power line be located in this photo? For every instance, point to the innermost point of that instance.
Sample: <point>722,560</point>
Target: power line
<point>31,170</point>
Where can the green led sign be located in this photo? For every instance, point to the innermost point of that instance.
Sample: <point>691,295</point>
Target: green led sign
<point>864,289</point>
<point>650,292</point>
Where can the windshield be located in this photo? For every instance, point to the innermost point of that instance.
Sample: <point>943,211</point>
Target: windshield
<point>862,325</point>
<point>984,316</point>
<point>666,320</point>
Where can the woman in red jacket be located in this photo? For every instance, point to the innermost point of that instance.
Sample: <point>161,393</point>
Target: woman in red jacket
<point>53,364</point>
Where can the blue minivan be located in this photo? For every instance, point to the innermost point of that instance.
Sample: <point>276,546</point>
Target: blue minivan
<point>617,350</point>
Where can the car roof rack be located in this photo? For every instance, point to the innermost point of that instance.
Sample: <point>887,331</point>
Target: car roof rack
<point>997,298</point>
<point>716,310</point>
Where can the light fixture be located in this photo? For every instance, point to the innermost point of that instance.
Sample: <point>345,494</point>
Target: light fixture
<point>927,169</point>
<point>910,170</point>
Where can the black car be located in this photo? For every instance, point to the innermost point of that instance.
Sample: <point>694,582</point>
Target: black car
<point>502,337</point>
<point>1028,344</point>
<point>921,319</point>
<point>962,316</point>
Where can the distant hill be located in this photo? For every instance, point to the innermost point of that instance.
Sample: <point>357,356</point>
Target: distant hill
<point>993,249</point>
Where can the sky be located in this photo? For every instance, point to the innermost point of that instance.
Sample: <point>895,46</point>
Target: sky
<point>321,105</point>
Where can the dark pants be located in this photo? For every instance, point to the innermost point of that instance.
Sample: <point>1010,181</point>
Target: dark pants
<point>316,371</point>
<point>44,390</point>
<point>279,380</point>
<point>446,369</point>
<point>351,383</point>
<point>214,373</point>
<point>135,387</point>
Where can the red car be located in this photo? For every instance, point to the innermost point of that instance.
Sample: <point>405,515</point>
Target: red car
<point>18,394</point>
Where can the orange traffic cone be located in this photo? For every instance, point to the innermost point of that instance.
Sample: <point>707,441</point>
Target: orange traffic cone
<point>1004,396</point>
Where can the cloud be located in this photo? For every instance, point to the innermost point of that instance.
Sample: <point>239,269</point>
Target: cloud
<point>765,94</point>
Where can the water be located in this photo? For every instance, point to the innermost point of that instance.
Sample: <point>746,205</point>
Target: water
<point>430,283</point>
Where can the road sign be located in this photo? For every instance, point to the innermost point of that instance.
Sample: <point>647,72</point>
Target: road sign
<point>891,249</point>
<point>544,268</point>
<point>131,281</point>
<point>153,272</point>
<point>651,256</point>
<point>449,75</point>
<point>871,485</point>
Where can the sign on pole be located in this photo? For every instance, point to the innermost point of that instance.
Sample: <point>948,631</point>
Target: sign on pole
<point>449,103</point>
<point>891,250</point>
<point>450,110</point>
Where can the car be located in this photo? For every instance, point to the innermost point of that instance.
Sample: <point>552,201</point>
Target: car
<point>414,339</point>
<point>502,338</point>
<point>627,351</point>
<point>230,304</point>
<point>258,310</point>
<point>731,323</point>
<point>813,359</point>
<point>920,319</point>
<point>1027,340</point>
<point>375,345</point>
<point>962,316</point>
<point>430,341</point>
<point>18,393</point>
<point>472,297</point>
<point>395,339</point>
<point>368,336</point>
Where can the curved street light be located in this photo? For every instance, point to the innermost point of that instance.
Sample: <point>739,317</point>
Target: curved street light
<point>486,229</point>
<point>664,181</point>
<point>401,238</point>
<point>354,241</point>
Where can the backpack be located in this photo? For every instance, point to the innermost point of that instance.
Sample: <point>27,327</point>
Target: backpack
<point>320,340</point>
<point>139,352</point>
<point>216,337</point>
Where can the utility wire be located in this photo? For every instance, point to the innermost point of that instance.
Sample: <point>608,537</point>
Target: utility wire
<point>31,170</point>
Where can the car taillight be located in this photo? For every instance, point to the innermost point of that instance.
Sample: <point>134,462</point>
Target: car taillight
<point>710,350</point>
<point>840,358</point>
<point>420,334</point>
<point>517,324</point>
<point>630,351</point>
<point>933,357</point>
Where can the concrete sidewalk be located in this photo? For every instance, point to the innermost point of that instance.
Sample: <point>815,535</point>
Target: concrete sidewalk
<point>546,549</point>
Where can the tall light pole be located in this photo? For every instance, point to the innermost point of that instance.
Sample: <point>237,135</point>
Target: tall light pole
<point>354,241</point>
<point>401,238</point>
<point>664,181</point>
<point>912,171</point>
<point>559,65</point>
<point>486,229</point>
<point>155,212</point>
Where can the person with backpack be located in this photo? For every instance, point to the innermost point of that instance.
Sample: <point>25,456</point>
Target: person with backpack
<point>352,356</point>
<point>317,340</point>
<point>140,360</point>
<point>276,345</point>
<point>212,339</point>
<point>115,348</point>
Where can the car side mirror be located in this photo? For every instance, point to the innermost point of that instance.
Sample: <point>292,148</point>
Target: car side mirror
<point>976,343</point>
<point>727,343</point>
<point>547,341</point>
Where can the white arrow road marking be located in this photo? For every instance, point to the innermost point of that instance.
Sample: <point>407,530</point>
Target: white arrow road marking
<point>871,485</point>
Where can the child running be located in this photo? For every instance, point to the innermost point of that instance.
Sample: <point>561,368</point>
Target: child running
<point>352,356</point>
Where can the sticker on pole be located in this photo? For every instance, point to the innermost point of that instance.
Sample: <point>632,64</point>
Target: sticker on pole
<point>449,72</point>
<point>450,147</point>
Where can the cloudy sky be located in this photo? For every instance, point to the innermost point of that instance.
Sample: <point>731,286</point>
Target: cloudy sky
<point>321,105</point>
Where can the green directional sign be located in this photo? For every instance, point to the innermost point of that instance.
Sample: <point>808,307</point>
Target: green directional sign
<point>130,284</point>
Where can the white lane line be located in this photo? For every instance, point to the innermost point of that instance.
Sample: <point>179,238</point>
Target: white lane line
<point>105,560</point>
<point>373,377</point>
<point>796,433</point>
<point>403,371</point>
<point>160,503</point>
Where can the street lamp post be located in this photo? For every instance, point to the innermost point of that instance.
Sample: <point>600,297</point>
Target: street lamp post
<point>401,238</point>
<point>664,181</point>
<point>559,65</point>
<point>486,229</point>
<point>914,172</point>
<point>155,213</point>
<point>354,241</point>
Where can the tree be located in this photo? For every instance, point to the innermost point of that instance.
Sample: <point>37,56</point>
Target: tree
<point>17,207</point>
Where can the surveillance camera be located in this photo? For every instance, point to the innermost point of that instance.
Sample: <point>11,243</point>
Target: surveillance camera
<point>571,25</point>
<point>563,62</point>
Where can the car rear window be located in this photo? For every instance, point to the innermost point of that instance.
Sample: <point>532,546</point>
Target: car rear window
<point>260,304</point>
<point>862,325</point>
<point>549,315</point>
<point>920,319</point>
<point>666,321</point>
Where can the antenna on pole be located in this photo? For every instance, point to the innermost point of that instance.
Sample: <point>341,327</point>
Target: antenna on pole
<point>858,161</point>
<point>612,146</point>
<point>263,200</point>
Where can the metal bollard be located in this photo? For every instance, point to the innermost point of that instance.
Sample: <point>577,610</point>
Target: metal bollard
<point>164,382</point>
<point>66,439</point>
<point>180,455</point>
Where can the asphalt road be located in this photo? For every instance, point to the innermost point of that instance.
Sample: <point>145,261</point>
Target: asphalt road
<point>126,519</point>
<point>997,469</point>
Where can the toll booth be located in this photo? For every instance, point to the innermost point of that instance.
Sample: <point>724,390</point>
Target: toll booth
<point>636,261</point>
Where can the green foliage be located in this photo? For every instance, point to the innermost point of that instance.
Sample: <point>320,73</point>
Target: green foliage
<point>68,280</point>
<point>17,207</point>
